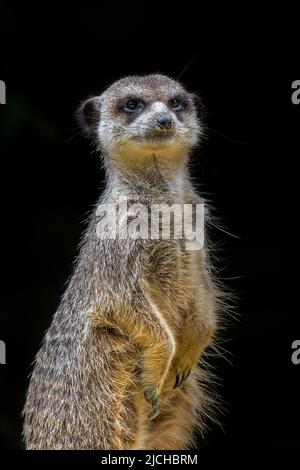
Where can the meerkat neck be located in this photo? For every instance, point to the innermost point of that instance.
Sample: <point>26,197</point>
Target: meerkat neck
<point>152,174</point>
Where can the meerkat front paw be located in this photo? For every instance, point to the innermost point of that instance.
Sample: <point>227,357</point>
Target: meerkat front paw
<point>182,367</point>
<point>151,394</point>
<point>190,349</point>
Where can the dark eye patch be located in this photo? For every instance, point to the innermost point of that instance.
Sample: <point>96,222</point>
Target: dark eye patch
<point>178,103</point>
<point>131,105</point>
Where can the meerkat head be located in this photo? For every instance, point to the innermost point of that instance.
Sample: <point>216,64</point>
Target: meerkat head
<point>139,117</point>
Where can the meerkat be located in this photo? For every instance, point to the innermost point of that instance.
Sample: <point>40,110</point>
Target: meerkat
<point>120,366</point>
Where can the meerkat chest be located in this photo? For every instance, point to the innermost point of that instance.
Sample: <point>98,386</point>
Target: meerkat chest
<point>173,271</point>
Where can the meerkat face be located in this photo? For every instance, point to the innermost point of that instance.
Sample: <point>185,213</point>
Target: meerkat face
<point>143,116</point>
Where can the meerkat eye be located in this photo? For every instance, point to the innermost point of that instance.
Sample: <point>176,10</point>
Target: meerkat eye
<point>177,104</point>
<point>132,105</point>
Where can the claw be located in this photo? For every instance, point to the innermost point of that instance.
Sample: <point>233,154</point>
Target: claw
<point>152,397</point>
<point>180,378</point>
<point>154,410</point>
<point>187,374</point>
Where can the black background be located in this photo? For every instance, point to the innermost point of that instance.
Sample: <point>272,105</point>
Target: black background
<point>243,68</point>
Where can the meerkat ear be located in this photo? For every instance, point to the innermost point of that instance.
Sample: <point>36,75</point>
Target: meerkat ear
<point>88,116</point>
<point>200,107</point>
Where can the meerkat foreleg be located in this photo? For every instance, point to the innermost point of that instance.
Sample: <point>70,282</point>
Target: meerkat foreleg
<point>157,346</point>
<point>195,334</point>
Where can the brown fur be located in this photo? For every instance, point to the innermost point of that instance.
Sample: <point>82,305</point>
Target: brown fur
<point>136,313</point>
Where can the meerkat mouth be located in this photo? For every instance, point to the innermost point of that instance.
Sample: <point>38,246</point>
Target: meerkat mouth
<point>157,136</point>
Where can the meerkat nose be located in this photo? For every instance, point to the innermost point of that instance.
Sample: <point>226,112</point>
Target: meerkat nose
<point>164,121</point>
